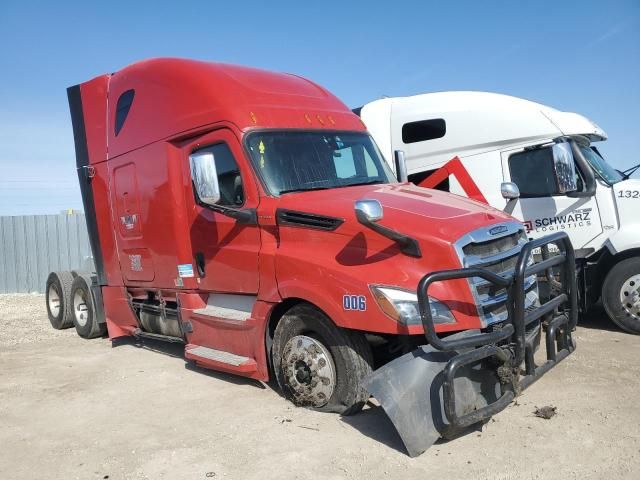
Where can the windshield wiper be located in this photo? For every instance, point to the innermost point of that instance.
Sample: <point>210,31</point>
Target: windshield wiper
<point>293,190</point>
<point>370,182</point>
<point>630,171</point>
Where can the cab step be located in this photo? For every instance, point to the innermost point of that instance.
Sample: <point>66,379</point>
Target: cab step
<point>225,313</point>
<point>220,360</point>
<point>228,307</point>
<point>156,336</point>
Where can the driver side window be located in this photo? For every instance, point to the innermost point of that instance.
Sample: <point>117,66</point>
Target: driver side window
<point>533,172</point>
<point>228,172</point>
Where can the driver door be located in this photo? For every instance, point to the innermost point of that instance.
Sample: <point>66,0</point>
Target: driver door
<point>225,250</point>
<point>541,206</point>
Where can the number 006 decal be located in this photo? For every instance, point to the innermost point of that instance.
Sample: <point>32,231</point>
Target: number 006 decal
<point>354,302</point>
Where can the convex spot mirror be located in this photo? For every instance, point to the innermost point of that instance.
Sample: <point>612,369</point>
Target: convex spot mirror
<point>509,191</point>
<point>205,177</point>
<point>369,210</point>
<point>564,167</point>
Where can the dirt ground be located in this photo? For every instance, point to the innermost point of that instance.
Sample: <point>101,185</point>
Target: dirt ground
<point>84,409</point>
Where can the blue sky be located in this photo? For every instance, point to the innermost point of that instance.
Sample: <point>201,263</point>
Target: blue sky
<point>581,56</point>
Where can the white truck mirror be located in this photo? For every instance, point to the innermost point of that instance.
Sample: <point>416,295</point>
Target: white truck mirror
<point>564,167</point>
<point>509,191</point>
<point>401,166</point>
<point>205,177</point>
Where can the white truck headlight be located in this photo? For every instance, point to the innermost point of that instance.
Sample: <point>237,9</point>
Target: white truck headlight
<point>402,306</point>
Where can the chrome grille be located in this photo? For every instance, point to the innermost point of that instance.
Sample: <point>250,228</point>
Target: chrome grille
<point>498,254</point>
<point>493,246</point>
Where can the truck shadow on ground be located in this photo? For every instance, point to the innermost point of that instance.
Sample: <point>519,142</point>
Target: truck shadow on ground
<point>596,318</point>
<point>374,423</point>
<point>176,350</point>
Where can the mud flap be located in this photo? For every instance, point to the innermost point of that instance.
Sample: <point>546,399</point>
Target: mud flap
<point>409,390</point>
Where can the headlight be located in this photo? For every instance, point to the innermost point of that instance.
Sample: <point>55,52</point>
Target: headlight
<point>402,306</point>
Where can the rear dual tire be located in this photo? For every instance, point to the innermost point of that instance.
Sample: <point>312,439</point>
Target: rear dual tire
<point>58,299</point>
<point>84,316</point>
<point>319,365</point>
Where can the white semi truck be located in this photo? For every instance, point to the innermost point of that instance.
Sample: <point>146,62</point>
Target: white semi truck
<point>535,162</point>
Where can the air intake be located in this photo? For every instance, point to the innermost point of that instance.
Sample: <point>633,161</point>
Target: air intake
<point>292,218</point>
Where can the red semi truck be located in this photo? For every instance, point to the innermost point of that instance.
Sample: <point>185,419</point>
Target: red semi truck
<point>250,216</point>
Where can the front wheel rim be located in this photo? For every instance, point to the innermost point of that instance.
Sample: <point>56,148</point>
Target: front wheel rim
<point>309,371</point>
<point>630,296</point>
<point>80,308</point>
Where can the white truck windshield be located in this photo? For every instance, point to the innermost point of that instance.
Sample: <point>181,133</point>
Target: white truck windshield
<point>602,168</point>
<point>294,161</point>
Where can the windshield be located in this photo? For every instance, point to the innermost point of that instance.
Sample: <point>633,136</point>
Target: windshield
<point>603,169</point>
<point>295,161</point>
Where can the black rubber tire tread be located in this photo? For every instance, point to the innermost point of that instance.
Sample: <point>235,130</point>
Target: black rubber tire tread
<point>92,329</point>
<point>62,282</point>
<point>350,350</point>
<point>611,294</point>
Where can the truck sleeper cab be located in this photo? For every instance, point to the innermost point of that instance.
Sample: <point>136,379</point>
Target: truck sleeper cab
<point>554,178</point>
<point>250,216</point>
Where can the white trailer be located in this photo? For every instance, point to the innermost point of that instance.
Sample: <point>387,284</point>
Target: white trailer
<point>535,162</point>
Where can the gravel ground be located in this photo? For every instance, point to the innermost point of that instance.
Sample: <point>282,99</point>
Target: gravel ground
<point>23,319</point>
<point>72,408</point>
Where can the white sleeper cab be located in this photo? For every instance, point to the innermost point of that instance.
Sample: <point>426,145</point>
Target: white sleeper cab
<point>535,162</point>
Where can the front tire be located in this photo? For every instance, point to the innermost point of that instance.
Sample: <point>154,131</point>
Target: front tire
<point>84,316</point>
<point>621,295</point>
<point>319,365</point>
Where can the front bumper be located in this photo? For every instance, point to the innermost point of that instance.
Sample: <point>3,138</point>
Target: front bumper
<point>468,377</point>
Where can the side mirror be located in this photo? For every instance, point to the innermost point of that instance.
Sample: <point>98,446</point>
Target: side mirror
<point>368,211</point>
<point>401,166</point>
<point>205,177</point>
<point>509,191</point>
<point>564,167</point>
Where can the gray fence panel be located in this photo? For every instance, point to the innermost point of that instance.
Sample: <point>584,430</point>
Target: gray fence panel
<point>21,253</point>
<point>32,246</point>
<point>31,251</point>
<point>3,258</point>
<point>42,245</point>
<point>8,245</point>
<point>6,237</point>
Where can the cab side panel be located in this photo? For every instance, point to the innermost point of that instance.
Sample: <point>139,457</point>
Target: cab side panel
<point>149,217</point>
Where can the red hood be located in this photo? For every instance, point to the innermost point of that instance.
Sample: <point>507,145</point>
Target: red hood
<point>422,213</point>
<point>323,266</point>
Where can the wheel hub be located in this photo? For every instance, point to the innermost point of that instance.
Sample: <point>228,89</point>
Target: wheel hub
<point>80,309</point>
<point>54,300</point>
<point>630,296</point>
<point>309,372</point>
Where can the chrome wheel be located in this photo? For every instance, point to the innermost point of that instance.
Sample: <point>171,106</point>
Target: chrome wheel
<point>630,296</point>
<point>53,298</point>
<point>80,309</point>
<point>309,371</point>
